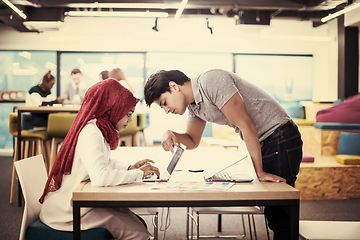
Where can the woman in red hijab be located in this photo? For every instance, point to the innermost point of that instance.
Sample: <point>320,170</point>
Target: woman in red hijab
<point>85,155</point>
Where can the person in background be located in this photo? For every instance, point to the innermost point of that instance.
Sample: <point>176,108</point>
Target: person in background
<point>104,75</point>
<point>74,91</point>
<point>119,75</point>
<point>86,155</point>
<point>271,137</point>
<point>40,95</point>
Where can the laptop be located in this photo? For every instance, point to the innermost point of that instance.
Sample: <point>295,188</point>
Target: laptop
<point>221,175</point>
<point>166,174</point>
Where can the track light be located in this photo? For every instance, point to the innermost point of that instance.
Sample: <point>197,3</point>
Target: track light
<point>180,9</point>
<point>155,26</point>
<point>210,28</point>
<point>15,9</point>
<point>116,14</point>
<point>341,12</point>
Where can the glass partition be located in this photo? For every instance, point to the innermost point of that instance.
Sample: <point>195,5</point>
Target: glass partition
<point>284,77</point>
<point>91,64</point>
<point>192,64</point>
<point>288,78</point>
<point>19,71</point>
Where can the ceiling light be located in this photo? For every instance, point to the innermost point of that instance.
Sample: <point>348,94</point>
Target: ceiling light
<point>25,55</point>
<point>116,14</point>
<point>25,71</point>
<point>181,9</point>
<point>123,5</point>
<point>50,65</point>
<point>15,9</point>
<point>343,11</point>
<point>42,26</point>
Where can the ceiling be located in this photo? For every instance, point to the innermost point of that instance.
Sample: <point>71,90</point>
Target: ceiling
<point>243,11</point>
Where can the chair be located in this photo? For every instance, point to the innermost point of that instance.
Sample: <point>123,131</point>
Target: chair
<point>155,219</point>
<point>130,136</point>
<point>142,123</point>
<point>249,211</point>
<point>59,125</point>
<point>32,143</point>
<point>32,176</point>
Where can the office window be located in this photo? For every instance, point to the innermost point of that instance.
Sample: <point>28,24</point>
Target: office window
<point>285,77</point>
<point>91,64</point>
<point>192,64</point>
<point>20,70</point>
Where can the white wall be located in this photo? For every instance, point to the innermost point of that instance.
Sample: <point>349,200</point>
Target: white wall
<point>191,35</point>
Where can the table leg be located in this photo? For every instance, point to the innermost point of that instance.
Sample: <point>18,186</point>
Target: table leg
<point>19,156</point>
<point>219,223</point>
<point>295,208</point>
<point>76,221</point>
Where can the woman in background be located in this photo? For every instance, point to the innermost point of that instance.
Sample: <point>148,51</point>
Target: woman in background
<point>119,75</point>
<point>40,95</point>
<point>85,155</point>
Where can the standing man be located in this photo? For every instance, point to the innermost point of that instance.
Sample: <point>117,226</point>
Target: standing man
<point>271,137</point>
<point>74,91</point>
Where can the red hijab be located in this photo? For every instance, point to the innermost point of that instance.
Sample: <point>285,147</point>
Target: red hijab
<point>107,101</point>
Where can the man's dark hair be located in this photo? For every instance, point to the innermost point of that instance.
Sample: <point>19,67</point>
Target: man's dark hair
<point>104,74</point>
<point>158,83</point>
<point>75,71</point>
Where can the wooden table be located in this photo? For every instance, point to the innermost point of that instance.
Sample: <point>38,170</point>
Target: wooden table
<point>42,109</point>
<point>145,195</point>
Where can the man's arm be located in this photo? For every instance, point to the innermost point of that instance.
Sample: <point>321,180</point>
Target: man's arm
<point>191,138</point>
<point>237,114</point>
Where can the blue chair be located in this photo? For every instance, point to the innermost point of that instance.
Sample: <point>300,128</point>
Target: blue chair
<point>32,175</point>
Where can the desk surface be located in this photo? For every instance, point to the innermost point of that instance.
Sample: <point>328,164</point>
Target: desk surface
<point>136,191</point>
<point>49,109</point>
<point>203,156</point>
<point>144,195</point>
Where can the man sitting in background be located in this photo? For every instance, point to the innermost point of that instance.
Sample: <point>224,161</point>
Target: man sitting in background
<point>74,91</point>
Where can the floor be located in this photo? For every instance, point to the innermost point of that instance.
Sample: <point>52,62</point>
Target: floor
<point>339,210</point>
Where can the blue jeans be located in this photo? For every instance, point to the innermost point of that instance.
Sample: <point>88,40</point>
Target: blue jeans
<point>282,156</point>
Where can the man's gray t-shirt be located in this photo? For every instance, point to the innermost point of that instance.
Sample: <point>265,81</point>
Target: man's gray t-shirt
<point>214,88</point>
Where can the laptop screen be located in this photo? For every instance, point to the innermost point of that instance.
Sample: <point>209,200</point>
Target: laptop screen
<point>175,159</point>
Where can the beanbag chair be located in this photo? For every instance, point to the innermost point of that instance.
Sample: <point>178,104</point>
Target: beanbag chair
<point>347,111</point>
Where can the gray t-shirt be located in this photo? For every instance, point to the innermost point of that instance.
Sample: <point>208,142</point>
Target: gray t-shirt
<point>214,88</point>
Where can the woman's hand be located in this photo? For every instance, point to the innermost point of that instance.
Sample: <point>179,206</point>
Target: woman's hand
<point>148,168</point>
<point>140,163</point>
<point>267,177</point>
<point>169,141</point>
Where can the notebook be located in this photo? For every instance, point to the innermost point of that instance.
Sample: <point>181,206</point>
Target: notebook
<point>220,175</point>
<point>166,174</point>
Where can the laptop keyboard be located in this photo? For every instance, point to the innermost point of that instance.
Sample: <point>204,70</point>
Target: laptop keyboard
<point>222,175</point>
<point>151,176</point>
